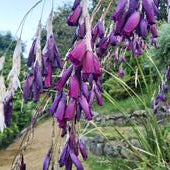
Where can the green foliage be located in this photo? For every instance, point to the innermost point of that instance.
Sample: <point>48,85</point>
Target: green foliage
<point>162,53</point>
<point>107,163</point>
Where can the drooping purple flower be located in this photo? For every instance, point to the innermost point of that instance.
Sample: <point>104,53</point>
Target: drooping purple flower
<point>83,151</point>
<point>91,97</point>
<point>74,91</point>
<point>32,54</point>
<point>148,7</point>
<point>64,156</point>
<point>76,161</point>
<point>88,65</point>
<point>65,76</point>
<point>78,112</point>
<point>112,39</point>
<point>8,109</point>
<point>120,8</point>
<point>98,97</point>
<point>81,31</point>
<point>60,111</point>
<point>48,78</point>
<point>27,89</point>
<point>120,24</point>
<point>143,28</point>
<point>77,54</point>
<point>37,84</point>
<point>101,30</point>
<point>47,160</point>
<point>133,6</point>
<point>97,68</point>
<point>70,110</point>
<point>85,107</point>
<point>53,107</point>
<point>76,3</point>
<point>53,53</point>
<point>103,43</point>
<point>85,89</point>
<point>74,16</point>
<point>132,23</point>
<point>154,31</point>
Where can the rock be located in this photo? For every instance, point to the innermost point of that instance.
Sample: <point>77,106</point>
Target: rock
<point>110,150</point>
<point>98,139</point>
<point>135,142</point>
<point>99,149</point>
<point>125,154</point>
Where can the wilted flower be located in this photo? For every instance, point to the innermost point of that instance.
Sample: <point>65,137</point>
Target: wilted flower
<point>32,54</point>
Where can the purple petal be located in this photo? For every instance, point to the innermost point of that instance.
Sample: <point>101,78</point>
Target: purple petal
<point>76,3</point>
<point>98,97</point>
<point>55,103</point>
<point>88,65</point>
<point>83,151</point>
<point>85,106</point>
<point>81,31</point>
<point>8,109</point>
<point>60,111</point>
<point>74,91</point>
<point>77,54</point>
<point>70,110</point>
<point>132,23</point>
<point>143,28</point>
<point>48,78</point>
<point>97,68</point>
<point>61,82</point>
<point>64,156</point>
<point>32,55</point>
<point>47,160</point>
<point>154,31</point>
<point>76,161</point>
<point>74,16</point>
<point>120,8</point>
<point>147,4</point>
<point>100,28</point>
<point>85,90</point>
<point>27,89</point>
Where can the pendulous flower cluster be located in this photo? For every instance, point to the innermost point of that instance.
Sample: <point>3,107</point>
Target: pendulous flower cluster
<point>41,65</point>
<point>79,86</point>
<point>134,21</point>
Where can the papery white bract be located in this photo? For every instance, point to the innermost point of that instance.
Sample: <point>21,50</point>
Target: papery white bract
<point>2,60</point>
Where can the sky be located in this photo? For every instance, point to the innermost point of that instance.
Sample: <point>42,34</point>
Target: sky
<point>12,12</point>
